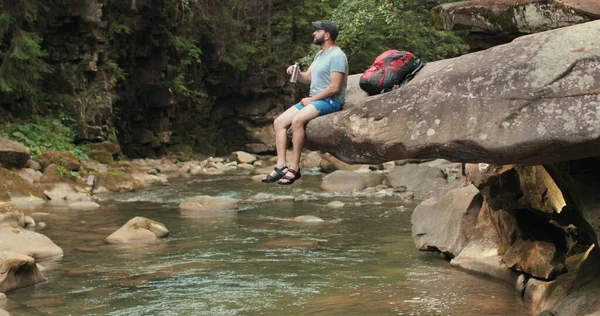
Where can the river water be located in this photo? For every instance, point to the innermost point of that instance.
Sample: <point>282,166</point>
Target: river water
<point>360,261</point>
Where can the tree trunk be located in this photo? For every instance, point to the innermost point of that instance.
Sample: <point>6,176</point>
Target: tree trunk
<point>269,35</point>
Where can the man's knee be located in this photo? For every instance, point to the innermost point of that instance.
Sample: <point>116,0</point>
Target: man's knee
<point>279,123</point>
<point>298,123</point>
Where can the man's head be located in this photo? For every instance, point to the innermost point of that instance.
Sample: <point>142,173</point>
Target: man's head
<point>326,30</point>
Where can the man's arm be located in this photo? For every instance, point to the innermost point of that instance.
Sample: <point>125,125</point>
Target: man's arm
<point>337,78</point>
<point>303,77</point>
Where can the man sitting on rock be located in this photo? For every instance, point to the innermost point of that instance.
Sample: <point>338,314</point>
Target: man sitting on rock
<point>327,76</point>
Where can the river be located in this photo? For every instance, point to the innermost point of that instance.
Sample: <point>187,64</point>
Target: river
<point>360,261</point>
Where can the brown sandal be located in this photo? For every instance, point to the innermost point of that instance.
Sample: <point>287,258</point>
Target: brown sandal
<point>290,180</point>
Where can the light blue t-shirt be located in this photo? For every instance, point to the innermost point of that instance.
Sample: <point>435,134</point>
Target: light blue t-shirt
<point>334,60</point>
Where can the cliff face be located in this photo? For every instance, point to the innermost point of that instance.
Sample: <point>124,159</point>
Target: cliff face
<point>139,73</point>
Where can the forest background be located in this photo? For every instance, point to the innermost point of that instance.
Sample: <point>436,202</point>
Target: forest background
<point>64,72</point>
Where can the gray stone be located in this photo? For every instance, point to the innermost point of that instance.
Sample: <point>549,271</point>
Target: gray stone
<point>534,258</point>
<point>308,219</point>
<point>84,205</point>
<point>138,229</point>
<point>343,181</point>
<point>336,204</point>
<point>209,204</point>
<point>242,157</point>
<point>443,224</point>
<point>18,271</point>
<point>503,16</point>
<point>415,178</point>
<point>26,242</point>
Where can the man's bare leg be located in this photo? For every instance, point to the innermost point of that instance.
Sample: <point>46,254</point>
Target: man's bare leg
<point>308,113</point>
<point>280,125</point>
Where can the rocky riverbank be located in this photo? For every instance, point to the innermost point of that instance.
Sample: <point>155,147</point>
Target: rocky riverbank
<point>59,179</point>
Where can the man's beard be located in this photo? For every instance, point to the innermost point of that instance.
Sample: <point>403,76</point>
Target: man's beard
<point>318,41</point>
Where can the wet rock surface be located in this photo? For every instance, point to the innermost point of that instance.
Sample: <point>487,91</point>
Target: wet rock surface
<point>16,239</point>
<point>18,271</point>
<point>138,230</point>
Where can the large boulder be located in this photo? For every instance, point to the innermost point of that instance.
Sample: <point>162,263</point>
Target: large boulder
<point>13,154</point>
<point>540,190</point>
<point>443,224</point>
<point>480,255</point>
<point>532,101</point>
<point>536,258</point>
<point>18,271</point>
<point>510,16</point>
<point>14,238</point>
<point>138,230</point>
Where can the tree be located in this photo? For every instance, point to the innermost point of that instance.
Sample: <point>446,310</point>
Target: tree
<point>369,27</point>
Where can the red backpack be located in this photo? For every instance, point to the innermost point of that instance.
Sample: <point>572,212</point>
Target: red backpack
<point>391,68</point>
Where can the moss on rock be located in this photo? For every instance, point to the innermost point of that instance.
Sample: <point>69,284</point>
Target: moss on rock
<point>117,180</point>
<point>12,185</point>
<point>56,174</point>
<point>64,159</point>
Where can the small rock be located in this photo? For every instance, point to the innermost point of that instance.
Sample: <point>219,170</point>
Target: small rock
<point>336,204</point>
<point>138,229</point>
<point>308,219</point>
<point>29,222</point>
<point>260,197</point>
<point>258,163</point>
<point>283,198</point>
<point>242,157</point>
<point>33,165</point>
<point>84,205</point>
<point>246,166</point>
<point>209,204</point>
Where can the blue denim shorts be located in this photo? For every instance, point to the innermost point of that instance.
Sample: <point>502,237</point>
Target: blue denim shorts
<point>325,106</point>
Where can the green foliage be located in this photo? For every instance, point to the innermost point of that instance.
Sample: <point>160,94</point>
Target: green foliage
<point>187,49</point>
<point>369,27</point>
<point>179,85</point>
<point>23,66</point>
<point>117,27</point>
<point>6,21</point>
<point>42,135</point>
<point>117,73</point>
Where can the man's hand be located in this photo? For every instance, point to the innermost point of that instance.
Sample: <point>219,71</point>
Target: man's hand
<point>289,70</point>
<point>305,101</point>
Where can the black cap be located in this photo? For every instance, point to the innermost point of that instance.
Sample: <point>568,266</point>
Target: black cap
<point>328,26</point>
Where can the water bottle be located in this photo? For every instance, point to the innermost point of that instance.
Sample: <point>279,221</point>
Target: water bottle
<point>295,72</point>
